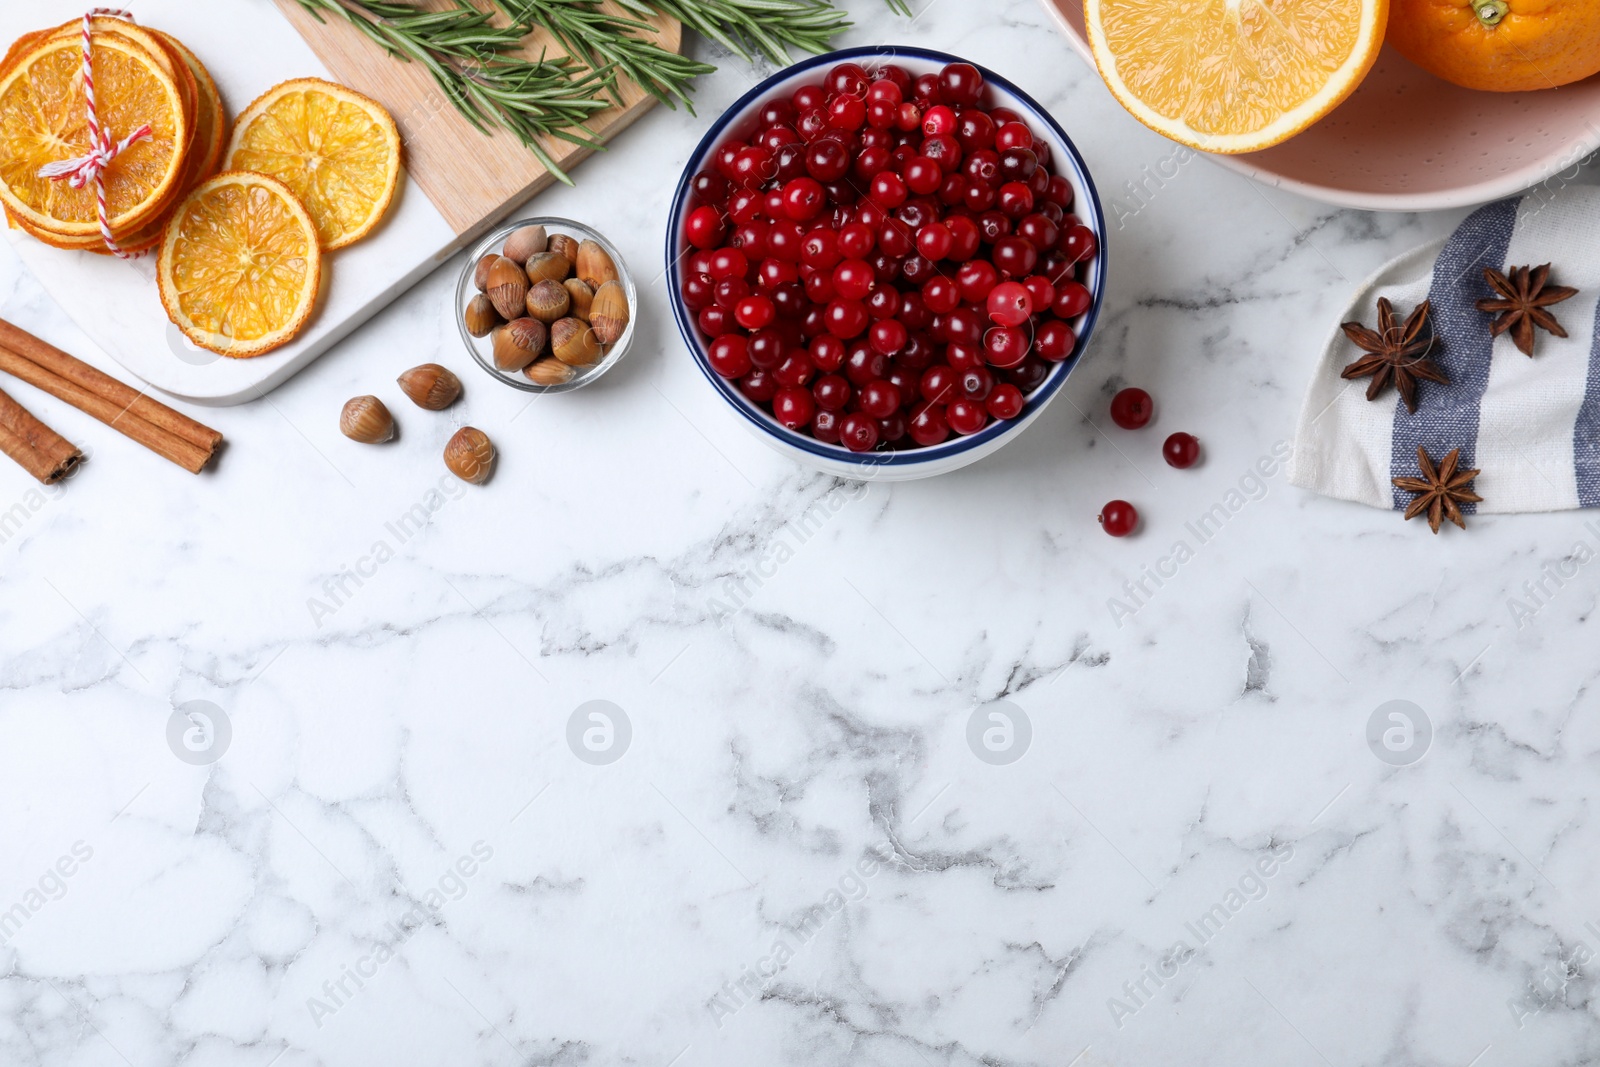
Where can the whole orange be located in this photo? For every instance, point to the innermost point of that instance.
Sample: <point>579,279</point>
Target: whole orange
<point>1504,46</point>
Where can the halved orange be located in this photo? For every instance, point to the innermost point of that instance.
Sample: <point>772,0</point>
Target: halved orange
<point>43,120</point>
<point>337,149</point>
<point>1233,75</point>
<point>240,265</point>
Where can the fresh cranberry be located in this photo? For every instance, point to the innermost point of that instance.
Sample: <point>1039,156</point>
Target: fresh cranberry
<point>975,131</point>
<point>879,398</point>
<point>1132,409</point>
<point>825,426</point>
<point>944,150</point>
<point>729,356</point>
<point>884,91</point>
<point>847,113</point>
<point>976,384</point>
<point>1012,135</point>
<point>924,176</point>
<point>755,313</point>
<point>847,318</point>
<point>730,291</point>
<point>1039,232</point>
<point>715,321</point>
<point>1181,450</point>
<point>753,167</point>
<point>983,167</point>
<point>964,236</point>
<point>918,353</point>
<point>963,356</point>
<point>917,269</point>
<point>939,120</point>
<point>827,353</point>
<point>852,279</point>
<point>848,79</point>
<point>909,118</point>
<point>928,425</point>
<point>1005,402</point>
<point>791,162</point>
<point>859,432</point>
<point>1015,200</point>
<point>967,416</point>
<point>978,197</point>
<point>803,199</point>
<point>751,238</point>
<point>863,364</point>
<point>726,158</point>
<point>1028,375</point>
<point>1015,257</point>
<point>941,295</point>
<point>896,239</point>
<point>893,428</point>
<point>819,287</point>
<point>1018,165</point>
<point>1072,299</point>
<point>795,370</point>
<point>759,385</point>
<point>789,298</point>
<point>808,97</point>
<point>883,302</point>
<point>698,291</point>
<point>793,406</point>
<point>886,267</point>
<point>827,160</point>
<point>766,349</point>
<point>1054,341</point>
<point>993,225</point>
<point>1079,244</point>
<point>960,84</point>
<point>1010,304</point>
<point>888,336</point>
<point>965,326</point>
<point>857,240</point>
<point>888,190</point>
<point>926,87</point>
<point>870,163</point>
<point>775,272</point>
<point>976,280</point>
<point>1043,293</point>
<point>1005,347</point>
<point>1060,192</point>
<point>934,241</point>
<point>710,188</point>
<point>776,138</point>
<point>820,249</point>
<point>704,228</point>
<point>1119,518</point>
<point>938,384</point>
<point>831,392</point>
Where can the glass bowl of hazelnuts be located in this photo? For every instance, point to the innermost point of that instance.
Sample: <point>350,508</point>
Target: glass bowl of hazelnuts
<point>546,305</point>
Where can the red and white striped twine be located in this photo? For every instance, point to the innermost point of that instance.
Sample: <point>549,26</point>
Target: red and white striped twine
<point>91,166</point>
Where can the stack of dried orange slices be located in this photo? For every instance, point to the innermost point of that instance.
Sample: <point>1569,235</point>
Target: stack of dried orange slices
<point>142,77</point>
<point>312,167</point>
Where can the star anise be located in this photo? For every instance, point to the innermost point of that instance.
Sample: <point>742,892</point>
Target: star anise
<point>1525,298</point>
<point>1394,353</point>
<point>1440,492</point>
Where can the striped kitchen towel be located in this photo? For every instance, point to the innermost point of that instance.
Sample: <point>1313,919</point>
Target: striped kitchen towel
<point>1531,425</point>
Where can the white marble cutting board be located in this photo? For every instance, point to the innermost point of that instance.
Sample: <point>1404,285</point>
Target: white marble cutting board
<point>248,47</point>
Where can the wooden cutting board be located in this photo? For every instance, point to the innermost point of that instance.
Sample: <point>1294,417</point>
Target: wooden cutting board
<point>473,179</point>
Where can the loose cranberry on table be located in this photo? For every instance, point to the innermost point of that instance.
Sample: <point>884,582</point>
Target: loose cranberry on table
<point>1119,518</point>
<point>1132,409</point>
<point>1181,450</point>
<point>885,261</point>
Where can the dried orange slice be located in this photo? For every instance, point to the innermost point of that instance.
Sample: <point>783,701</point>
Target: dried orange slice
<point>43,120</point>
<point>240,265</point>
<point>1233,75</point>
<point>338,150</point>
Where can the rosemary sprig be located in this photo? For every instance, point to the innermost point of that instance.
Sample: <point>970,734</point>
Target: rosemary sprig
<point>769,26</point>
<point>611,42</point>
<point>470,60</point>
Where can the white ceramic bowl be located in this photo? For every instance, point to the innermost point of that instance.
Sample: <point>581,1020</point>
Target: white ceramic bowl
<point>910,463</point>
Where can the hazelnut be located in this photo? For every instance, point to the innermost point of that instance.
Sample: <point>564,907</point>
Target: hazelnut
<point>582,296</point>
<point>565,246</point>
<point>469,455</point>
<point>548,301</point>
<point>609,313</point>
<point>574,343</point>
<point>548,266</point>
<point>518,343</point>
<point>549,371</point>
<point>365,419</point>
<point>480,276</point>
<point>480,316</point>
<point>525,243</point>
<point>594,265</point>
<point>508,287</point>
<point>431,386</point>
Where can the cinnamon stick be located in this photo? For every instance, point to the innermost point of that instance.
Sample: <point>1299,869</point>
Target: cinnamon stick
<point>191,457</point>
<point>103,385</point>
<point>41,451</point>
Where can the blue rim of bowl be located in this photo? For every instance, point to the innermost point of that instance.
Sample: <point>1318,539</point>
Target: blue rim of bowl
<point>899,457</point>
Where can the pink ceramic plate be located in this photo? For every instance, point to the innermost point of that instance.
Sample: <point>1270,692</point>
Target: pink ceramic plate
<point>1406,141</point>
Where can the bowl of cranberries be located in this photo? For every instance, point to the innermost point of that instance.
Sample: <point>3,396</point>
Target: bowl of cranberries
<point>887,258</point>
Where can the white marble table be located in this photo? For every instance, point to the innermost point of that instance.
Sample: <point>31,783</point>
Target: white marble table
<point>400,859</point>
